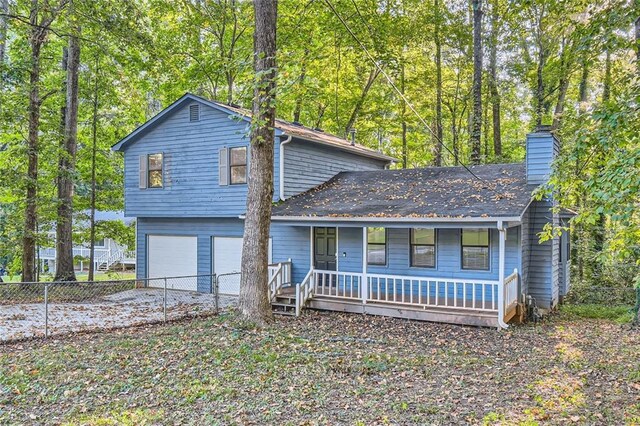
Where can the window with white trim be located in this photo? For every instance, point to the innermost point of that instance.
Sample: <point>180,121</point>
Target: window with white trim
<point>422,244</point>
<point>154,170</point>
<point>475,249</point>
<point>238,165</point>
<point>376,246</point>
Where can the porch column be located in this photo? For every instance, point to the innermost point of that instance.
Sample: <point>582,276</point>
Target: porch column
<point>311,247</point>
<point>364,283</point>
<point>501,250</point>
<point>502,238</point>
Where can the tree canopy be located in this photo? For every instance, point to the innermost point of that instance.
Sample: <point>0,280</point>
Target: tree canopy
<point>570,64</point>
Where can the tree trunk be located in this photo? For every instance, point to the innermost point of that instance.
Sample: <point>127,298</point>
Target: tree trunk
<point>559,110</point>
<point>606,88</point>
<point>37,38</point>
<point>638,45</point>
<point>542,57</point>
<point>403,111</point>
<point>67,164</point>
<point>4,27</point>
<point>476,121</point>
<point>94,151</point>
<point>439,141</point>
<point>303,75</point>
<point>365,90</point>
<point>254,300</point>
<point>582,87</point>
<point>493,83</point>
<point>563,85</point>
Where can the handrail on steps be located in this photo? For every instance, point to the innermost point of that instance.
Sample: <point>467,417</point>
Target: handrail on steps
<point>279,276</point>
<point>304,292</point>
<point>507,296</point>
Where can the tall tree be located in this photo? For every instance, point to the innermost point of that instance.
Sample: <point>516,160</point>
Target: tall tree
<point>41,17</point>
<point>254,300</point>
<point>438,43</point>
<point>403,118</point>
<point>476,118</point>
<point>540,16</point>
<point>493,80</point>
<point>373,75</point>
<point>303,75</point>
<point>67,160</point>
<point>94,154</point>
<point>4,26</point>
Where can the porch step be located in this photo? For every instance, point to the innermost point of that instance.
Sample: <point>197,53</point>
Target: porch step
<point>284,305</point>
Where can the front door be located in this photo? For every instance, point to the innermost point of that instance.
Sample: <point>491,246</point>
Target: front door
<point>324,241</point>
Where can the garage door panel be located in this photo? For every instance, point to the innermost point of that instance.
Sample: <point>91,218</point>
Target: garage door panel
<point>227,259</point>
<point>173,256</point>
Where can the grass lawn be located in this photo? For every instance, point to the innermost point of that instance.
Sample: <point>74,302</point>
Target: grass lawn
<point>328,368</point>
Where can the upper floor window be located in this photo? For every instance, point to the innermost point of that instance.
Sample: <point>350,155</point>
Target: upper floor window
<point>238,164</point>
<point>154,170</point>
<point>423,247</point>
<point>376,246</point>
<point>475,249</point>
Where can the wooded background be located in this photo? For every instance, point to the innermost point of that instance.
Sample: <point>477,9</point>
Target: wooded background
<point>480,74</point>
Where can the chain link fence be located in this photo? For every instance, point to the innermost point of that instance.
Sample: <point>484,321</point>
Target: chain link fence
<point>32,310</point>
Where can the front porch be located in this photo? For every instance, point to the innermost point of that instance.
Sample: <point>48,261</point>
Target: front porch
<point>349,276</point>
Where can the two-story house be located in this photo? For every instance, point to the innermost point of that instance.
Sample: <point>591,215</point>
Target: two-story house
<point>441,244</point>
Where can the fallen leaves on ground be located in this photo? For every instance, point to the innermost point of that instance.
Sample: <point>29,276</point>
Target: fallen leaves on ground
<point>327,368</point>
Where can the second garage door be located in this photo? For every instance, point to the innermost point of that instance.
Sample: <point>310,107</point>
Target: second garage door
<point>173,256</point>
<point>227,259</point>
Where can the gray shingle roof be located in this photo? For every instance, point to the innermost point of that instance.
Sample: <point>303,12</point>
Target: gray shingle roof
<point>433,192</point>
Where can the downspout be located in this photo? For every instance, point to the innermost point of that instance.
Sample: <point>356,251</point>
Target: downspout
<point>281,158</point>
<point>502,237</point>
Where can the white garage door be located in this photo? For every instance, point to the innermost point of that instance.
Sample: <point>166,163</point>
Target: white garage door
<point>227,259</point>
<point>173,256</point>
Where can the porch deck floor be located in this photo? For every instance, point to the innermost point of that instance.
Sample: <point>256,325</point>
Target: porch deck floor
<point>409,301</point>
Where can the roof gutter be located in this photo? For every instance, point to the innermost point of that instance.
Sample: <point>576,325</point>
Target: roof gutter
<point>501,220</point>
<point>281,159</point>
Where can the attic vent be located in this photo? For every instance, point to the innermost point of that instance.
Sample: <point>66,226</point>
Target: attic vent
<point>194,112</point>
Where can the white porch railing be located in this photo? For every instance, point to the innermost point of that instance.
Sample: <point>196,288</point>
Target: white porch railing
<point>279,276</point>
<point>50,253</point>
<point>478,295</point>
<point>423,292</point>
<point>337,284</point>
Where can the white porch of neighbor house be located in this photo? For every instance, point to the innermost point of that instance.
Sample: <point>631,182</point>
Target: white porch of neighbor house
<point>445,291</point>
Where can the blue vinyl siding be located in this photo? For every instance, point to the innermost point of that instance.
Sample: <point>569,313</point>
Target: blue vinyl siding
<point>190,172</point>
<point>542,148</point>
<point>541,258</point>
<point>292,242</point>
<point>307,165</point>
<point>350,252</point>
<point>448,254</point>
<point>191,166</point>
<point>350,249</point>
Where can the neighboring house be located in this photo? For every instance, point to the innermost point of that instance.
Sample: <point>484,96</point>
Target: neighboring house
<point>107,252</point>
<point>436,244</point>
